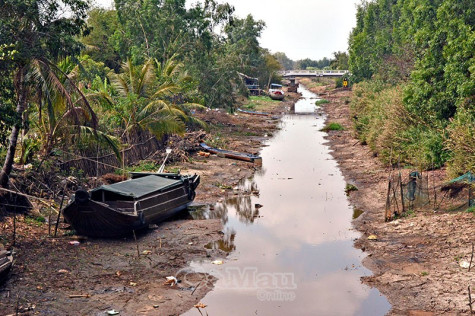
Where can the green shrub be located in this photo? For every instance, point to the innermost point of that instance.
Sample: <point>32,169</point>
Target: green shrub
<point>142,166</point>
<point>461,142</point>
<point>350,187</point>
<point>321,101</point>
<point>35,220</point>
<point>395,134</point>
<point>332,127</point>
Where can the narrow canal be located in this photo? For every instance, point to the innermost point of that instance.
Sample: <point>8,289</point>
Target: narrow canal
<point>294,255</point>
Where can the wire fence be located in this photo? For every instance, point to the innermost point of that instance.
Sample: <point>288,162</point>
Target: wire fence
<point>410,192</point>
<point>99,165</point>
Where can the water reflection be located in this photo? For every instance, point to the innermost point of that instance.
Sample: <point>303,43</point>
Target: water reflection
<point>225,244</point>
<point>307,103</point>
<point>242,204</point>
<point>302,234</point>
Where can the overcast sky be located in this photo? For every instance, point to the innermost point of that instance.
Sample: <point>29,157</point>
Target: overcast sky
<point>300,28</point>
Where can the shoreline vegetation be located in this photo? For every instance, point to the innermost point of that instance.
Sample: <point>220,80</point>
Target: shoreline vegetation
<point>418,260</point>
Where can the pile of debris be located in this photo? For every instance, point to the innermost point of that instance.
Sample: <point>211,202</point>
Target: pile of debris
<point>181,147</point>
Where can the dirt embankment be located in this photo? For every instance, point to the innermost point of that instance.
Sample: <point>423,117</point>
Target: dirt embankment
<point>51,276</point>
<point>415,259</point>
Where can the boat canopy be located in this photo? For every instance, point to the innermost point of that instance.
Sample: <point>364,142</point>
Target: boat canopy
<point>275,86</point>
<point>137,188</point>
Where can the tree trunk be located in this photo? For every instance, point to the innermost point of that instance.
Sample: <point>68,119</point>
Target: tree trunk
<point>21,107</point>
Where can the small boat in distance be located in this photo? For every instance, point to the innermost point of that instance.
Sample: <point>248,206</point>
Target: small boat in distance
<point>253,112</point>
<point>233,154</point>
<point>276,92</point>
<point>118,209</point>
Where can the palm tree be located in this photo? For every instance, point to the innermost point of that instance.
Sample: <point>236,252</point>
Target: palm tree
<point>56,121</point>
<point>146,99</point>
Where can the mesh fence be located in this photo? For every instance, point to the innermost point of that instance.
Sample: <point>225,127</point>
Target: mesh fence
<point>412,191</point>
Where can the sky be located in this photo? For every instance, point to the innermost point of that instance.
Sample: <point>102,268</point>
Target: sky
<point>300,28</point>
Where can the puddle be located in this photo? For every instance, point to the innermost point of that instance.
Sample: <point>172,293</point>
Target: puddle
<point>290,244</point>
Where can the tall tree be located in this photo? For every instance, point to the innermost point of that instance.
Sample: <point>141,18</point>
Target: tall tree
<point>339,61</point>
<point>40,33</point>
<point>104,33</point>
<point>285,61</point>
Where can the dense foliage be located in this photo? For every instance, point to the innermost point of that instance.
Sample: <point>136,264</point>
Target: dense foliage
<point>90,81</point>
<point>424,50</point>
<point>34,36</point>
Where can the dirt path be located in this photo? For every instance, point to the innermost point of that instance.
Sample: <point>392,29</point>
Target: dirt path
<point>53,277</point>
<point>415,259</point>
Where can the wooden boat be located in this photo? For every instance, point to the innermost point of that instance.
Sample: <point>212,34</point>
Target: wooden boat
<point>253,112</point>
<point>117,209</point>
<point>6,262</point>
<point>276,92</point>
<point>293,85</point>
<point>233,154</point>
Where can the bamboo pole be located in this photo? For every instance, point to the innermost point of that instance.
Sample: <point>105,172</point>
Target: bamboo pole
<point>471,259</point>
<point>402,193</point>
<point>470,302</point>
<point>395,200</point>
<point>388,202</point>
<point>59,212</point>
<point>137,244</point>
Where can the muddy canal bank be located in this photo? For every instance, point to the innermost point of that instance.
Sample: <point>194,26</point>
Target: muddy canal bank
<point>416,258</point>
<point>51,276</point>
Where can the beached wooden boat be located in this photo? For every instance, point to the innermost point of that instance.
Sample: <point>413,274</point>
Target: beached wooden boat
<point>6,262</point>
<point>253,112</point>
<point>233,154</point>
<point>276,92</point>
<point>117,209</point>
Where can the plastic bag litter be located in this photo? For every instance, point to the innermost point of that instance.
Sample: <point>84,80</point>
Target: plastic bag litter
<point>171,280</point>
<point>465,264</point>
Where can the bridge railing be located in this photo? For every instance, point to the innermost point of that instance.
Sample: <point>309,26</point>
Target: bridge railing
<point>296,73</point>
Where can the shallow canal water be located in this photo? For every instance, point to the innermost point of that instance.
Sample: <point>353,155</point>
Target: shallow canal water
<point>294,255</point>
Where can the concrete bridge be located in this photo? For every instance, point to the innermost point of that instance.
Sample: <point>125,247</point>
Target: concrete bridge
<point>313,73</point>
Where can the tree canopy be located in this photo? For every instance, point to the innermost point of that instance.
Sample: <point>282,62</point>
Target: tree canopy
<point>80,79</point>
<point>427,48</point>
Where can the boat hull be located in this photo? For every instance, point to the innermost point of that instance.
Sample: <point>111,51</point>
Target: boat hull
<point>233,154</point>
<point>276,96</point>
<point>119,218</point>
<point>6,262</point>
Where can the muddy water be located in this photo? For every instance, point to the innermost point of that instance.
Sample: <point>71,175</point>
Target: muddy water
<point>290,240</point>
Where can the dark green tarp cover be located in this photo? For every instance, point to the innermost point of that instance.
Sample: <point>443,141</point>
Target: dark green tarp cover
<point>467,178</point>
<point>137,188</point>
